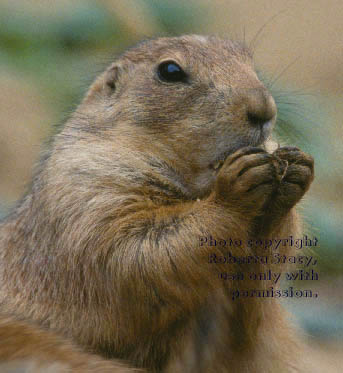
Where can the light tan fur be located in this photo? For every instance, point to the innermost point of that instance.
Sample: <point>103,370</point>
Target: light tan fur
<point>105,248</point>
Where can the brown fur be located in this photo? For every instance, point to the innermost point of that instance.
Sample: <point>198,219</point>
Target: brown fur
<point>26,348</point>
<point>104,250</point>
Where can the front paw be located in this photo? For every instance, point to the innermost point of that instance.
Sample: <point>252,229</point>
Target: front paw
<point>248,179</point>
<point>297,178</point>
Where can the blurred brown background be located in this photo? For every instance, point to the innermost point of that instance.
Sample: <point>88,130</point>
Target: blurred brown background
<point>50,52</point>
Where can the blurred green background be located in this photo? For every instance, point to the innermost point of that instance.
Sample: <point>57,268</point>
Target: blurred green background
<point>51,51</point>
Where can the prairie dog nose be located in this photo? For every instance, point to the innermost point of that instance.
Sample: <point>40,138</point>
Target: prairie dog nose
<point>261,107</point>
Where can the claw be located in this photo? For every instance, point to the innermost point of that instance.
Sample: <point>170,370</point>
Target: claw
<point>284,171</point>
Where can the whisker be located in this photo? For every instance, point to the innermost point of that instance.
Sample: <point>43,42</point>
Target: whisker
<point>253,42</point>
<point>283,71</point>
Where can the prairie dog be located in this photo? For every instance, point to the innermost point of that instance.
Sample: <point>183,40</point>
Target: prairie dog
<point>166,148</point>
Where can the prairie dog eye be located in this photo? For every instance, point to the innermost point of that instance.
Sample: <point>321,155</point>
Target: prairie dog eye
<point>170,71</point>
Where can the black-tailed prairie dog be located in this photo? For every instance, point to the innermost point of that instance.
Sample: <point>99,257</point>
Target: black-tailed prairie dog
<point>107,248</point>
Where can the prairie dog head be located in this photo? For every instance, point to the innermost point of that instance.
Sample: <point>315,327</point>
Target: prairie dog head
<point>187,102</point>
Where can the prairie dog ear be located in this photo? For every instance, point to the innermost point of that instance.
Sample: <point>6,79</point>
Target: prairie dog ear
<point>105,84</point>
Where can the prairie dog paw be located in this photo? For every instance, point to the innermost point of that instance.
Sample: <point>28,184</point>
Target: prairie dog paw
<point>248,178</point>
<point>297,177</point>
